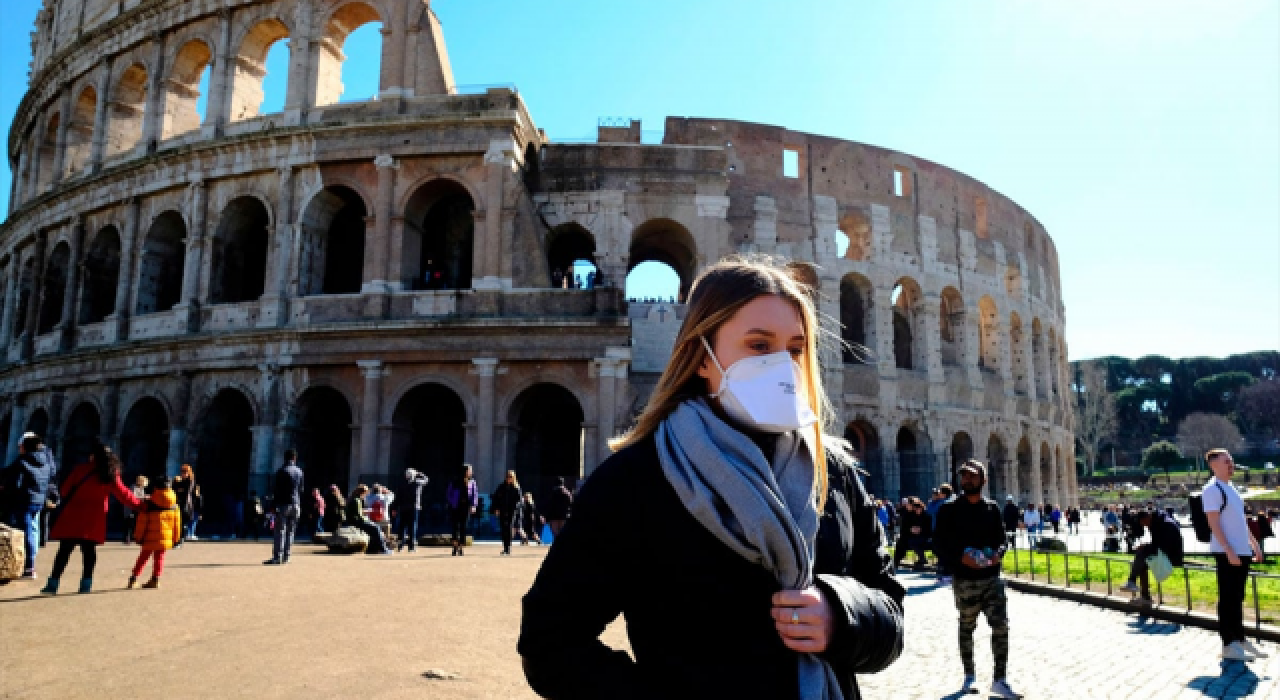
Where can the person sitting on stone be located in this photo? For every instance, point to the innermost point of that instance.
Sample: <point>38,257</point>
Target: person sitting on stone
<point>356,518</point>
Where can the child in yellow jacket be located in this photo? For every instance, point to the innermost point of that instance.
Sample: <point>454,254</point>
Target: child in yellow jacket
<point>159,523</point>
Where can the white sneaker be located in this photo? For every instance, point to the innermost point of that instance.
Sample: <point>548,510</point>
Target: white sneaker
<point>968,686</point>
<point>1001,688</point>
<point>1235,652</point>
<point>1129,587</point>
<point>1251,649</point>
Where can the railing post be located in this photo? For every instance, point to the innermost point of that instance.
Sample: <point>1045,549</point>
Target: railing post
<point>1159,591</point>
<point>1015,562</point>
<point>1048,567</point>
<point>1087,583</point>
<point>1186,578</point>
<point>1257,609</point>
<point>1108,561</point>
<point>1066,566</point>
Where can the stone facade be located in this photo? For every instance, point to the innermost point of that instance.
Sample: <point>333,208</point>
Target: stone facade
<point>371,282</point>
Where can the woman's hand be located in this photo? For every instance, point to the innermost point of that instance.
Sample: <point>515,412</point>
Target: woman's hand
<point>804,620</point>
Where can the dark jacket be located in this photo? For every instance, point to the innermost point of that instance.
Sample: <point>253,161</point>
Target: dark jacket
<point>409,496</point>
<point>559,503</point>
<point>26,481</point>
<point>1167,536</point>
<point>962,525</point>
<point>506,501</point>
<point>1012,516</point>
<point>288,491</point>
<point>911,520</point>
<point>182,491</point>
<point>602,565</point>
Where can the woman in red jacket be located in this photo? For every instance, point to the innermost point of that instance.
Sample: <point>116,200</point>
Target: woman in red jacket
<point>82,517</point>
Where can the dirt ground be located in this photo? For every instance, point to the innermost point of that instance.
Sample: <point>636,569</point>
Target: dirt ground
<point>223,625</point>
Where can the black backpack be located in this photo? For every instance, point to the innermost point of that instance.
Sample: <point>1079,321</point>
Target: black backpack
<point>1200,521</point>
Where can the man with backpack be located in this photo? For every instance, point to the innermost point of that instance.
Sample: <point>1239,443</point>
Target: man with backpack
<point>1220,507</point>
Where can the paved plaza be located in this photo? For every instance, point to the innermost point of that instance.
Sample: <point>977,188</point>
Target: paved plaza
<point>223,625</point>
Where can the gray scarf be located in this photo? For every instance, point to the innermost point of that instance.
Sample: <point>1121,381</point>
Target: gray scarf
<point>764,512</point>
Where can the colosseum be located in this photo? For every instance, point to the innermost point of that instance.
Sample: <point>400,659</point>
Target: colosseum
<point>381,284</point>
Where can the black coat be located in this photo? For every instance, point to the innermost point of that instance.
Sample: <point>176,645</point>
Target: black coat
<point>698,615</point>
<point>505,502</point>
<point>1012,516</point>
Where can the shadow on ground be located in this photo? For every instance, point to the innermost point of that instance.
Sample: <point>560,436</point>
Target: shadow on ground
<point>1237,680</point>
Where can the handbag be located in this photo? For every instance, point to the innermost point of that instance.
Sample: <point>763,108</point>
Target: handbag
<point>1160,566</point>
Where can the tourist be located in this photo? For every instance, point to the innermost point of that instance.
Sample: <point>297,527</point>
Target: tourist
<point>1055,517</point>
<point>197,507</point>
<point>941,495</point>
<point>159,526</point>
<point>917,529</point>
<point>559,506</point>
<point>317,512</point>
<point>1073,521</point>
<point>1031,521</point>
<point>253,512</point>
<point>410,499</point>
<point>356,518</point>
<point>1234,549</point>
<point>971,540</point>
<point>1132,528</point>
<point>506,505</point>
<point>715,450</point>
<point>335,509</point>
<point>1012,520</point>
<point>182,488</point>
<point>463,497</point>
<point>81,520</point>
<point>26,487</point>
<point>130,518</point>
<point>530,521</point>
<point>1166,540</point>
<point>287,499</point>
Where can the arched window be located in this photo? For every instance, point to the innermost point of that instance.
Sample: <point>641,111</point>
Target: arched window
<point>998,469</point>
<point>571,253</point>
<point>161,263</point>
<point>186,93</point>
<point>47,153</point>
<point>665,241</point>
<point>1025,467</point>
<point>856,227</point>
<point>101,276</point>
<point>26,294</point>
<point>952,328</point>
<point>439,237</point>
<point>80,132</point>
<point>55,284</point>
<point>261,64</point>
<point>653,281</point>
<point>350,57</point>
<point>908,319</point>
<point>240,253</point>
<point>855,300</point>
<point>331,260</point>
<point>126,111</point>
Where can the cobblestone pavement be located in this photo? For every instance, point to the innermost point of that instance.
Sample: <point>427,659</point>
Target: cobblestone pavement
<point>1067,650</point>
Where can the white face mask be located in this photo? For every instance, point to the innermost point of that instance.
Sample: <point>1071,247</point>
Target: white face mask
<point>764,393</point>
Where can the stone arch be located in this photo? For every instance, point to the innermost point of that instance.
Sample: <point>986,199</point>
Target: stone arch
<point>668,242</point>
<point>952,328</point>
<point>446,381</point>
<point>961,452</point>
<point>341,23</point>
<point>46,153</point>
<point>182,88</point>
<point>320,424</point>
<point>55,284</point>
<point>915,461</point>
<point>79,141</point>
<point>101,276</point>
<point>1039,359</point>
<point>547,441</point>
<point>856,225</point>
<point>1026,467</point>
<point>1020,361</point>
<point>907,301</point>
<point>429,433</point>
<point>161,262</point>
<point>439,235</point>
<point>567,244</point>
<point>331,259</point>
<point>144,437</point>
<point>127,110</point>
<point>82,431</point>
<point>865,442</point>
<point>239,264</point>
<point>857,330</point>
<point>250,66</point>
<point>988,334</point>
<point>1048,482</point>
<point>224,456</point>
<point>998,469</point>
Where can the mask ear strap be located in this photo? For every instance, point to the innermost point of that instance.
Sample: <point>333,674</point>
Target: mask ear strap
<point>714,361</point>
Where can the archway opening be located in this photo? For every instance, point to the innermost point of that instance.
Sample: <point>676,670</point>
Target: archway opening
<point>350,58</point>
<point>951,328</point>
<point>160,267</point>
<point>998,469</point>
<point>665,241</point>
<point>439,236</point>
<point>240,252</point>
<point>144,440</point>
<point>55,285</point>
<point>262,64</point>
<point>855,300</point>
<point>1048,483</point>
<point>127,110</point>
<point>865,442</point>
<point>26,290</point>
<point>653,281</point>
<point>79,144</point>
<point>1025,467</point>
<point>961,452</point>
<point>571,253</point>
<point>547,420</point>
<point>101,277</point>
<point>908,301</point>
<point>333,236</point>
<point>915,464</point>
<point>856,227</point>
<point>83,428</point>
<point>322,436</point>
<point>429,434</point>
<point>186,90</point>
<point>47,153</point>
<point>222,467</point>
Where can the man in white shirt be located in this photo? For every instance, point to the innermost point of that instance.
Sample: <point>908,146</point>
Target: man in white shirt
<point>1031,520</point>
<point>1234,547</point>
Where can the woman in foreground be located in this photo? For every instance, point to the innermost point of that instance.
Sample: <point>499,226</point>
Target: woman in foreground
<point>759,573</point>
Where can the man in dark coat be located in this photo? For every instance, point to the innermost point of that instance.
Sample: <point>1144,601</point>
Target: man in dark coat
<point>409,501</point>
<point>1012,518</point>
<point>287,500</point>
<point>558,507</point>
<point>25,487</point>
<point>1166,536</point>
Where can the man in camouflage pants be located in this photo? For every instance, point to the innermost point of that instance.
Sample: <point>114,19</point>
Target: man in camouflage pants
<point>970,540</point>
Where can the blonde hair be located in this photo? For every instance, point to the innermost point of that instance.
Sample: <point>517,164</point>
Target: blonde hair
<point>515,480</point>
<point>717,295</point>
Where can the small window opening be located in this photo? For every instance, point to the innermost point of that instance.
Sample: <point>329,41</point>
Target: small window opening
<point>901,182</point>
<point>790,163</point>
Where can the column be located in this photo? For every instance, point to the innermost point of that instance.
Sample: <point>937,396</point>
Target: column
<point>153,116</point>
<point>375,249</point>
<point>70,290</point>
<point>485,369</point>
<point>189,304</point>
<point>178,426</point>
<point>64,120</point>
<point>370,404</point>
<point>275,303</point>
<point>17,425</point>
<point>10,303</point>
<point>219,108</point>
<point>100,118</point>
<point>128,270</point>
<point>499,159</point>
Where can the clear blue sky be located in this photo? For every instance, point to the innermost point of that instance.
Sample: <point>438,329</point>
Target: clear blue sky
<point>1143,134</point>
